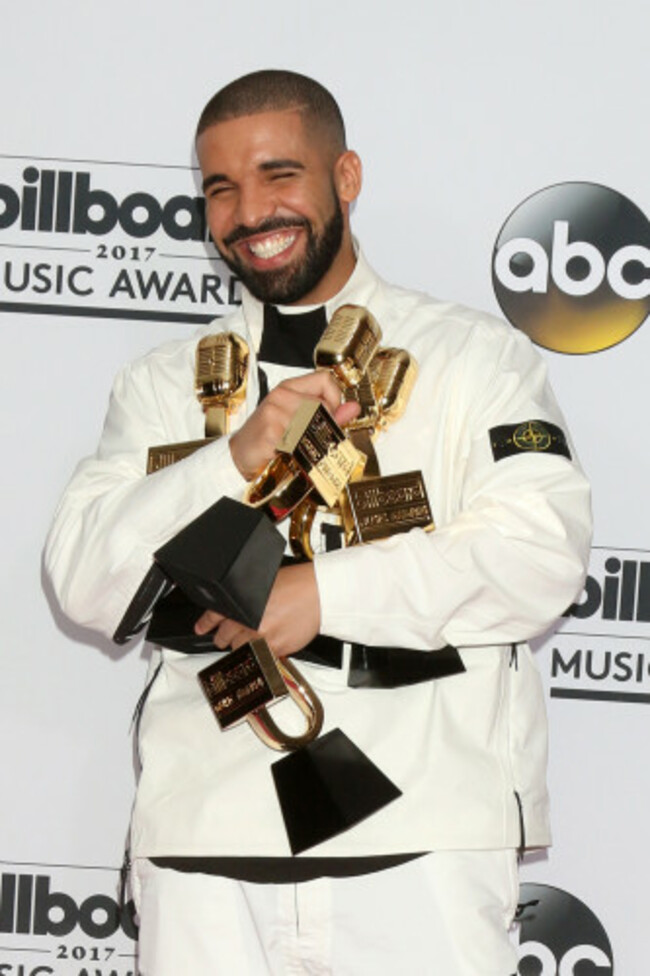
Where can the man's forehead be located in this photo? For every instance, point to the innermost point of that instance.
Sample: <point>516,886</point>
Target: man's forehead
<point>258,137</point>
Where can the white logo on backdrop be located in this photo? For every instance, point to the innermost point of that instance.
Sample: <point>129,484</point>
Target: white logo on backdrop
<point>571,267</point>
<point>109,240</point>
<point>557,933</point>
<point>64,921</point>
<point>601,650</point>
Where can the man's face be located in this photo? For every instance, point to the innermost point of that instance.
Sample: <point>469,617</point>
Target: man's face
<point>273,207</point>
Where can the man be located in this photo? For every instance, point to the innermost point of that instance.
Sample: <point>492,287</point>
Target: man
<point>427,883</point>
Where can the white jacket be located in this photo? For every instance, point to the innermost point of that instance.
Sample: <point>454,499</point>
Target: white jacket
<point>508,555</point>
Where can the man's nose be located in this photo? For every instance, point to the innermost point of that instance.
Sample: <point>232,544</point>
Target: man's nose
<point>255,203</point>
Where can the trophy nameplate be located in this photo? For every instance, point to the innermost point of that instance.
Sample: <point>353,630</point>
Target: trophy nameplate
<point>242,681</point>
<point>163,455</point>
<point>378,508</point>
<point>321,449</point>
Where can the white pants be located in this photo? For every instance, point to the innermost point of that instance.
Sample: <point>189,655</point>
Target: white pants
<point>446,914</point>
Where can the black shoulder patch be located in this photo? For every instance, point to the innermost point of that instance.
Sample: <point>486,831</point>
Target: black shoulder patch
<point>532,436</point>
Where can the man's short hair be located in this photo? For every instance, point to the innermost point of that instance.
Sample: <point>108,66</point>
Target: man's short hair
<point>272,90</point>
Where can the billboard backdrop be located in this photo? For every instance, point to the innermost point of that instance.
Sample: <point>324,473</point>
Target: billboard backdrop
<point>505,162</point>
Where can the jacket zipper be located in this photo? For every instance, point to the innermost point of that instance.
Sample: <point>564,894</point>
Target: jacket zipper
<point>522,828</point>
<point>139,705</point>
<point>514,663</point>
<point>514,657</point>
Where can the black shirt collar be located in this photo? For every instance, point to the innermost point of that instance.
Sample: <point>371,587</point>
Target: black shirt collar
<point>289,340</point>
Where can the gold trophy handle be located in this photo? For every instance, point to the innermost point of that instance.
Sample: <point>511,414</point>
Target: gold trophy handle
<point>278,488</point>
<point>307,701</point>
<point>302,519</point>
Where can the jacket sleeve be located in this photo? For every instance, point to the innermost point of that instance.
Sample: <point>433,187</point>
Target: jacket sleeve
<point>112,517</point>
<point>513,554</point>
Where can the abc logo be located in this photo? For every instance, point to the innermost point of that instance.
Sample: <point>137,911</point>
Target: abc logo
<point>559,935</point>
<point>571,267</point>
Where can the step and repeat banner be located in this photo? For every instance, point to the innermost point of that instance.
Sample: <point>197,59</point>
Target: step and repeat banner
<point>505,158</point>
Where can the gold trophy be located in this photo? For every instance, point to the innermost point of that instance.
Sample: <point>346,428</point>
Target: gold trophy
<point>348,345</point>
<point>245,681</point>
<point>347,348</point>
<point>220,380</point>
<point>379,507</point>
<point>380,381</point>
<point>314,453</point>
<point>221,373</point>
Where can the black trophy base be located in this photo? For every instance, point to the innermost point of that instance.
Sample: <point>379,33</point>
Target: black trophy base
<point>172,625</point>
<point>226,560</point>
<point>328,787</point>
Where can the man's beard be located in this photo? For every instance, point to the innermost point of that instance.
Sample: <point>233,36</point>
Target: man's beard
<point>288,285</point>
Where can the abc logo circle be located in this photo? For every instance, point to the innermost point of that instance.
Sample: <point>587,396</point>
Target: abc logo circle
<point>571,267</point>
<point>559,935</point>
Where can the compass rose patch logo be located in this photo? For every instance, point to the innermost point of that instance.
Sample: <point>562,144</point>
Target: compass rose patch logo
<point>529,437</point>
<point>532,436</point>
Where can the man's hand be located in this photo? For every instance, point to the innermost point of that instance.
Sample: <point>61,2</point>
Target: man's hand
<point>254,444</point>
<point>291,618</point>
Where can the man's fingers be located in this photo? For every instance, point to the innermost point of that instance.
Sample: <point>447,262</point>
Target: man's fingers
<point>320,385</point>
<point>228,633</point>
<point>346,412</point>
<point>242,637</point>
<point>232,634</point>
<point>207,622</point>
<point>254,444</point>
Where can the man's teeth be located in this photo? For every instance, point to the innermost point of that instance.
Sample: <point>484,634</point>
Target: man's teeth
<point>270,246</point>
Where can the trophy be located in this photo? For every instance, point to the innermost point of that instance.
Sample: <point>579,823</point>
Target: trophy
<point>220,379</point>
<point>314,454</point>
<point>242,683</point>
<point>377,507</point>
<point>221,374</point>
<point>346,349</point>
<point>380,380</point>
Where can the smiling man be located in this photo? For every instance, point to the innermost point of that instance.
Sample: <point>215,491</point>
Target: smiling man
<point>274,201</point>
<point>427,883</point>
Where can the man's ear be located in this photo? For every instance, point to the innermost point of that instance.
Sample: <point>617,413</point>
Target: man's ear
<point>348,176</point>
